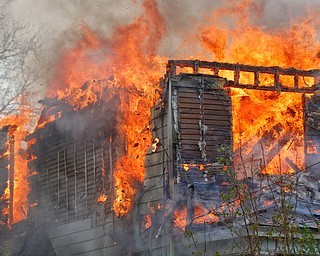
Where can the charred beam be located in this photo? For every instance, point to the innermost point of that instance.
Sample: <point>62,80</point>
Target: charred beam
<point>257,149</point>
<point>12,129</point>
<point>245,68</point>
<point>256,70</point>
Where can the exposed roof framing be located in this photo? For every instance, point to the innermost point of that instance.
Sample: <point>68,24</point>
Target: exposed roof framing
<point>276,71</point>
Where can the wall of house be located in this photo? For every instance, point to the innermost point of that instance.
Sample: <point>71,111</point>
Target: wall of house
<point>192,122</point>
<point>151,225</point>
<point>74,164</point>
<point>84,237</point>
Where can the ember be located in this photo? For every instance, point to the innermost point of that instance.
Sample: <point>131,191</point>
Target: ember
<point>102,198</point>
<point>155,144</point>
<point>148,221</point>
<point>201,215</point>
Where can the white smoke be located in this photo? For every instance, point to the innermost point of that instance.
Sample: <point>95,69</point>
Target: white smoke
<point>58,22</point>
<point>58,25</point>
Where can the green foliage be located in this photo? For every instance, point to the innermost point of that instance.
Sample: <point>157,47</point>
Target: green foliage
<point>307,244</point>
<point>188,233</point>
<point>3,251</point>
<point>284,230</point>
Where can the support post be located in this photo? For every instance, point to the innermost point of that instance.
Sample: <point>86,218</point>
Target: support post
<point>111,185</point>
<point>190,206</point>
<point>12,129</point>
<point>94,184</point>
<point>256,78</point>
<point>170,154</point>
<point>66,181</point>
<point>58,178</point>
<point>75,180</point>
<point>170,141</point>
<point>85,176</point>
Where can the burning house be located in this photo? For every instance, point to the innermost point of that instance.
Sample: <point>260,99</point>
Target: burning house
<point>201,129</point>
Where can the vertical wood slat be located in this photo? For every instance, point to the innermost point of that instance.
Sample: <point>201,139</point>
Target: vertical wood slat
<point>94,183</point>
<point>103,167</point>
<point>170,141</point>
<point>11,179</point>
<point>296,82</point>
<point>75,179</point>
<point>69,182</point>
<point>236,75</point>
<point>216,71</point>
<point>112,181</point>
<point>256,78</point>
<point>66,182</point>
<point>86,176</point>
<point>58,178</point>
<point>48,194</point>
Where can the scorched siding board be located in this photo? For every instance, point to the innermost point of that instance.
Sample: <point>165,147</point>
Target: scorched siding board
<point>85,246</point>
<point>70,228</point>
<point>198,106</point>
<point>70,177</point>
<point>78,237</point>
<point>155,185</point>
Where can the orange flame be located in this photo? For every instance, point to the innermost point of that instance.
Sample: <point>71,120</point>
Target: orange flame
<point>21,171</point>
<point>255,112</point>
<point>148,221</point>
<point>201,215</point>
<point>201,167</point>
<point>204,215</point>
<point>269,122</point>
<point>179,218</point>
<point>132,67</point>
<point>130,62</point>
<point>268,203</point>
<point>102,198</point>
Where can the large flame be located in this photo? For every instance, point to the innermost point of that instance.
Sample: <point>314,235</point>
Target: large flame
<point>17,132</point>
<point>130,60</point>
<point>131,64</point>
<point>267,121</point>
<point>268,126</point>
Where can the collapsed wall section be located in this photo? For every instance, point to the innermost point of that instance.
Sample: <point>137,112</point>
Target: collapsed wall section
<point>73,169</point>
<point>73,175</point>
<point>312,132</point>
<point>72,187</point>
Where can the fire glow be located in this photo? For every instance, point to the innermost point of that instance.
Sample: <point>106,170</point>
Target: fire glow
<point>201,215</point>
<point>102,198</point>
<point>280,125</point>
<point>18,208</point>
<point>132,66</point>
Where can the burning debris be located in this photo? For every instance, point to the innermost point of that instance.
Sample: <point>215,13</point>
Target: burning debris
<point>102,198</point>
<point>155,144</point>
<point>199,153</point>
<point>197,143</point>
<point>113,180</point>
<point>266,163</point>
